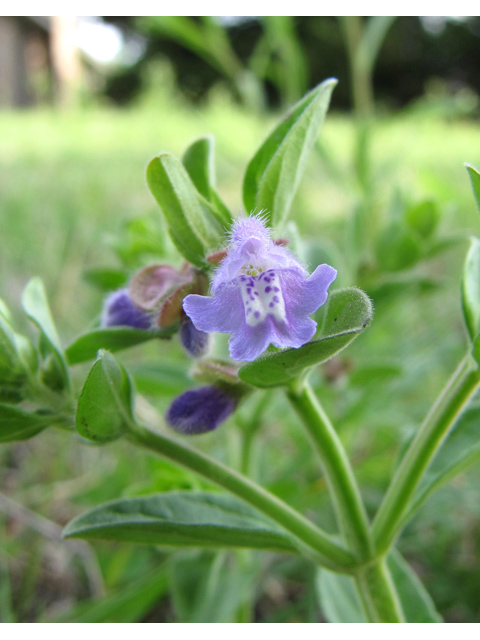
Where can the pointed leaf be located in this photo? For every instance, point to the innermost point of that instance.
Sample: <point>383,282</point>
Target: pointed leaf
<point>274,173</point>
<point>114,339</point>
<point>475,179</point>
<point>181,519</point>
<point>348,312</point>
<point>105,404</point>
<point>340,602</point>
<point>397,248</point>
<point>16,424</point>
<point>192,222</point>
<point>423,217</point>
<point>35,304</point>
<point>198,160</point>
<point>471,289</point>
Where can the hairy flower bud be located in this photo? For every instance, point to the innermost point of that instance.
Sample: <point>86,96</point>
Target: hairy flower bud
<point>201,410</point>
<point>119,310</point>
<point>194,341</point>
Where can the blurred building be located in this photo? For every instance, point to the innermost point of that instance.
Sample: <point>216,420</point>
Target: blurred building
<point>39,61</point>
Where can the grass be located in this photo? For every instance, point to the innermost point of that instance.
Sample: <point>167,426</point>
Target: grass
<point>69,182</point>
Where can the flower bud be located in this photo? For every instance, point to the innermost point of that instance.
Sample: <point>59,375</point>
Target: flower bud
<point>119,310</point>
<point>194,341</point>
<point>201,410</point>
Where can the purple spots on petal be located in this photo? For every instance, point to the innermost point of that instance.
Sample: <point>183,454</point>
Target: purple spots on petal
<point>276,289</point>
<point>276,299</point>
<point>249,290</point>
<point>256,293</point>
<point>267,289</point>
<point>252,298</point>
<point>257,314</point>
<point>248,311</point>
<point>271,305</point>
<point>267,279</point>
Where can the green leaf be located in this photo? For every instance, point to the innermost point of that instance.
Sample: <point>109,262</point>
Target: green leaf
<point>130,604</point>
<point>105,278</point>
<point>348,312</point>
<point>460,450</point>
<point>338,597</point>
<point>209,587</point>
<point>471,289</point>
<point>274,173</point>
<point>475,179</point>
<point>161,378</point>
<point>11,366</point>
<point>397,248</point>
<point>113,338</point>
<point>35,304</point>
<point>105,404</point>
<point>16,424</point>
<point>340,602</point>
<point>423,218</point>
<point>181,519</point>
<point>198,160</point>
<point>416,602</point>
<point>192,222</point>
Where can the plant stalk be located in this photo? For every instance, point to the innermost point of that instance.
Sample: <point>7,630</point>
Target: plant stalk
<point>349,507</point>
<point>377,594</point>
<point>313,540</point>
<point>435,428</point>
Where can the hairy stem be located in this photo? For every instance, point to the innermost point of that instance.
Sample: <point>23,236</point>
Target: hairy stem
<point>435,428</point>
<point>314,541</point>
<point>378,595</point>
<point>348,503</point>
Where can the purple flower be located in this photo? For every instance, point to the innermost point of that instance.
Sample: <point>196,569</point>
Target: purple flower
<point>119,310</point>
<point>194,342</point>
<point>200,410</point>
<point>261,294</point>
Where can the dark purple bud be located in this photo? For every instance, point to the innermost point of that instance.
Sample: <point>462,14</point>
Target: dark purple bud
<point>194,341</point>
<point>119,311</point>
<point>200,410</point>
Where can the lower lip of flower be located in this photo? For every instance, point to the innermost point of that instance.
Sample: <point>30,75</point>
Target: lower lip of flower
<point>261,296</point>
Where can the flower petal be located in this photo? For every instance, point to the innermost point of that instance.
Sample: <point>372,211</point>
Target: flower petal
<point>223,313</point>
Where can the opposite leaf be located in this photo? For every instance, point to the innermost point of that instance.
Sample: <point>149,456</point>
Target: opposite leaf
<point>192,222</point>
<point>16,424</point>
<point>35,304</point>
<point>198,160</point>
<point>105,403</point>
<point>471,289</point>
<point>348,312</point>
<point>274,173</point>
<point>181,519</point>
<point>114,339</point>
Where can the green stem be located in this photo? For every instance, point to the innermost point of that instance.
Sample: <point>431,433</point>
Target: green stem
<point>346,496</point>
<point>378,595</point>
<point>360,70</point>
<point>249,429</point>
<point>313,540</point>
<point>428,440</point>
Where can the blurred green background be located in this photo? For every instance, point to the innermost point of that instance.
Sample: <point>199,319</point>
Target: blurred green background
<point>73,198</point>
